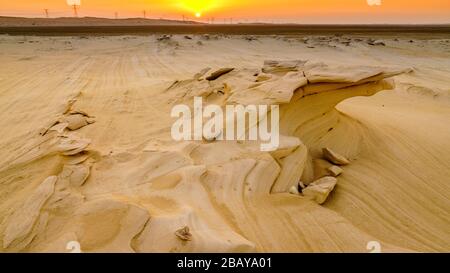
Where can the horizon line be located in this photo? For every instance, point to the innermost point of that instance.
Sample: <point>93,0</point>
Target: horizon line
<point>220,23</point>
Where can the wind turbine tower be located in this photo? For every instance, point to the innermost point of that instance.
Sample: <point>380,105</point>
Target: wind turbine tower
<point>75,4</point>
<point>75,10</point>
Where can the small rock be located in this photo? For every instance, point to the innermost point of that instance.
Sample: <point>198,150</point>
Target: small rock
<point>334,157</point>
<point>294,190</point>
<point>320,189</point>
<point>377,43</point>
<point>217,74</point>
<point>75,122</point>
<point>165,37</point>
<point>263,77</point>
<point>188,37</point>
<point>184,234</point>
<point>71,145</point>
<point>335,171</point>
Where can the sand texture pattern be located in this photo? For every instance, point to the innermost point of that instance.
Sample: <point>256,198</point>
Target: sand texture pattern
<point>87,153</point>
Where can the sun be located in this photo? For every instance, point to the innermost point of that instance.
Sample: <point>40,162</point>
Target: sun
<point>198,8</point>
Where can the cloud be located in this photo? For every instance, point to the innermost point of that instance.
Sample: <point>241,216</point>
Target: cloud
<point>73,2</point>
<point>374,2</point>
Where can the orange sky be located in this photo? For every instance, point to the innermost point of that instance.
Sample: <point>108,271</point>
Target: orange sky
<point>301,11</point>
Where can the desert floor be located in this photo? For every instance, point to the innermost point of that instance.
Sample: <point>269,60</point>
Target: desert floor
<point>121,184</point>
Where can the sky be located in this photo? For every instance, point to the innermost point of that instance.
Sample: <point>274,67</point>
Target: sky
<point>276,11</point>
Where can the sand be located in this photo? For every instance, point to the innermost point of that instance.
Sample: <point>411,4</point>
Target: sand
<point>87,154</point>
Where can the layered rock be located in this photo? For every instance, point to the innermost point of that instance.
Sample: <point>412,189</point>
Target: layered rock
<point>320,189</point>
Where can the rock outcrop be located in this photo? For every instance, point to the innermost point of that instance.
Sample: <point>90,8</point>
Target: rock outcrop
<point>320,190</point>
<point>334,157</point>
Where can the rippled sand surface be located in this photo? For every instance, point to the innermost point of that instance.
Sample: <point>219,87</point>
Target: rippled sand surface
<point>87,154</point>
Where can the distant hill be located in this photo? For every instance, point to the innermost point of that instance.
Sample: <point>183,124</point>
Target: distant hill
<point>87,21</point>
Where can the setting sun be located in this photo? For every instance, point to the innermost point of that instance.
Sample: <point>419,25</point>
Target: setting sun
<point>197,7</point>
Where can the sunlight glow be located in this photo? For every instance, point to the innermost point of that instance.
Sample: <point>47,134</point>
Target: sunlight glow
<point>198,7</point>
<point>74,2</point>
<point>274,11</point>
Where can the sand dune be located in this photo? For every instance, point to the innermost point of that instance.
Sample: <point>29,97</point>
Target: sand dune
<point>88,155</point>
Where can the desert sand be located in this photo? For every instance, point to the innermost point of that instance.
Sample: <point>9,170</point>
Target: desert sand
<point>87,154</point>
